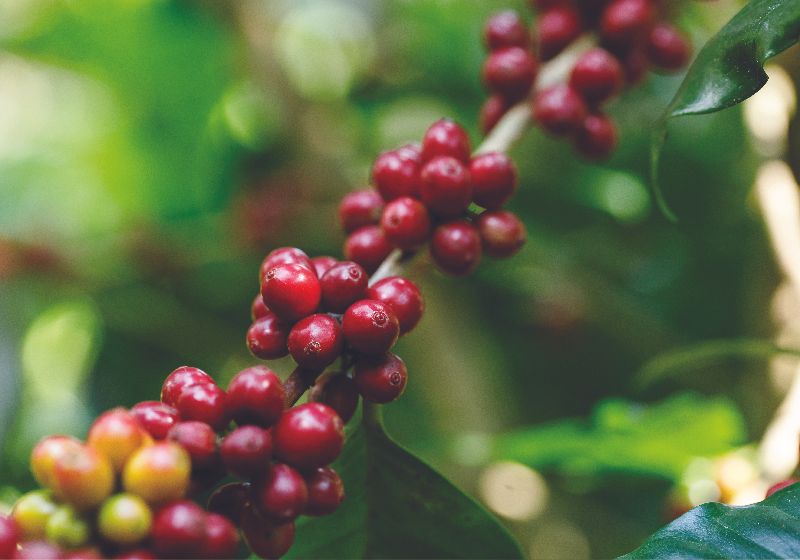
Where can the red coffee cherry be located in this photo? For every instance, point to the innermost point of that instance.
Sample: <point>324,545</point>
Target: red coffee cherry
<point>247,451</point>
<point>597,137</point>
<point>502,233</point>
<point>343,284</point>
<point>179,530</point>
<point>204,402</point>
<point>494,179</point>
<point>266,337</point>
<point>667,49</point>
<point>178,380</point>
<point>291,291</point>
<point>198,439</point>
<point>308,436</point>
<point>337,391</point>
<point>325,492</point>
<point>556,28</point>
<point>596,76</point>
<point>255,396</point>
<point>406,223</point>
<point>505,29</point>
<point>445,138</point>
<point>324,264</point>
<point>281,494</point>
<point>403,296</point>
<point>284,255</point>
<point>258,309</point>
<point>221,538</point>
<point>492,111</point>
<point>316,341</point>
<point>456,247</point>
<point>368,247</point>
<point>510,72</point>
<point>9,537</point>
<point>446,188</point>
<point>359,208</point>
<point>370,326</point>
<point>231,500</point>
<point>396,173</point>
<point>559,110</point>
<point>380,379</point>
<point>265,539</point>
<point>624,21</point>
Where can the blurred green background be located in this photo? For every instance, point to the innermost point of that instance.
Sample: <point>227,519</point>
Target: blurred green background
<point>151,153</point>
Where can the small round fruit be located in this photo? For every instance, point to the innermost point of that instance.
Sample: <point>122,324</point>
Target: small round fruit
<point>492,111</point>
<point>266,337</point>
<point>456,247</point>
<point>505,29</point>
<point>284,255</point>
<point>502,233</point>
<point>179,530</point>
<point>316,341</point>
<point>325,491</point>
<point>38,550</point>
<point>124,519</point>
<point>155,417</point>
<point>339,392</point>
<point>368,247</point>
<point>358,209</point>
<point>308,436</point>
<point>198,439</point>
<point>116,434</point>
<point>291,291</point>
<point>494,179</point>
<point>158,473</point>
<point>281,494</point>
<point>559,110</point>
<point>342,284</point>
<point>84,477</point>
<point>510,72</point>
<point>403,296</point>
<point>370,326</point>
<point>445,138</point>
<point>247,451</point>
<point>667,49</point>
<point>406,223</point>
<point>204,402</point>
<point>625,21</point>
<point>221,537</point>
<point>323,264</point>
<point>446,188</point>
<point>396,173</point>
<point>67,529</point>
<point>596,76</point>
<point>31,512</point>
<point>556,28</point>
<point>231,500</point>
<point>597,137</point>
<point>257,308</point>
<point>380,379</point>
<point>9,537</point>
<point>45,455</point>
<point>255,396</point>
<point>179,379</point>
<point>266,539</point>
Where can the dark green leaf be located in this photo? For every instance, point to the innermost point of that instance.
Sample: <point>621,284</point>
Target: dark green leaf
<point>768,529</point>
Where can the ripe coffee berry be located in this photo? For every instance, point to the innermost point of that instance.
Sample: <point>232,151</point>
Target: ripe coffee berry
<point>396,173</point>
<point>198,439</point>
<point>308,436</point>
<point>9,537</point>
<point>456,247</point>
<point>179,530</point>
<point>281,494</point>
<point>559,110</point>
<point>370,326</point>
<point>205,403</point>
<point>380,379</point>
<point>510,72</point>
<point>337,391</point>
<point>247,451</point>
<point>446,188</point>
<point>255,396</point>
<point>155,417</point>
<point>221,537</point>
<point>556,28</point>
<point>494,179</point>
<point>445,138</point>
<point>666,48</point>
<point>344,283</point>
<point>502,233</point>
<point>291,291</point>
<point>597,137</point>
<point>158,473</point>
<point>284,255</point>
<point>368,247</point>
<point>324,264</point>
<point>624,21</point>
<point>505,29</point>
<point>360,208</point>
<point>265,539</point>
<point>596,76</point>
<point>179,379</point>
<point>266,337</point>
<point>316,341</point>
<point>406,223</point>
<point>258,309</point>
<point>325,492</point>
<point>403,296</point>
<point>492,111</point>
<point>231,500</point>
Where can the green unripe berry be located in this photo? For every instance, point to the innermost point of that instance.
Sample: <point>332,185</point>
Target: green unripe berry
<point>67,529</point>
<point>31,513</point>
<point>124,519</point>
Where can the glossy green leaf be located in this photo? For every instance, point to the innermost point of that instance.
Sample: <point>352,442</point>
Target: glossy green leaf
<point>768,529</point>
<point>729,68</point>
<point>399,507</point>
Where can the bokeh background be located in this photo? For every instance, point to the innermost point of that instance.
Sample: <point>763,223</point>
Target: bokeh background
<point>152,151</point>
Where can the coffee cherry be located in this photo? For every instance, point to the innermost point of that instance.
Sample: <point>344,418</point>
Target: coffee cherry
<point>316,341</point>
<point>445,138</point>
<point>179,530</point>
<point>559,110</point>
<point>255,396</point>
<point>284,255</point>
<point>67,529</point>
<point>358,209</point>
<point>380,379</point>
<point>494,179</point>
<point>396,173</point>
<point>370,326</point>
<point>502,233</point>
<point>624,21</point>
<point>324,264</point>
<point>37,550</point>
<point>124,519</point>
<point>368,247</point>
<point>456,247</point>
<point>204,402</point>
<point>667,49</point>
<point>199,441</point>
<point>556,28</point>
<point>266,337</point>
<point>338,392</point>
<point>596,76</point>
<point>597,137</point>
<point>179,379</point>
<point>403,296</point>
<point>291,291</point>
<point>9,537</point>
<point>158,473</point>
<point>155,417</point>
<point>635,64</point>
<point>258,309</point>
<point>231,500</point>
<point>325,492</point>
<point>84,477</point>
<point>779,486</point>
<point>281,495</point>
<point>505,29</point>
<point>344,283</point>
<point>221,538</point>
<point>492,111</point>
<point>266,539</point>
<point>31,512</point>
<point>446,188</point>
<point>247,451</point>
<point>510,72</point>
<point>116,434</point>
<point>45,455</point>
<point>308,436</point>
<point>406,223</point>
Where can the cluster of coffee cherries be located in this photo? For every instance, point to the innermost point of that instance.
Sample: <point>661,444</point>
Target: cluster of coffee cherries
<point>436,193</point>
<point>630,37</point>
<point>129,490</point>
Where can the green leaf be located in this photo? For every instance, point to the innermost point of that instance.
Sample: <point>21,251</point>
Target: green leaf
<point>729,68</point>
<point>399,507</point>
<point>768,529</point>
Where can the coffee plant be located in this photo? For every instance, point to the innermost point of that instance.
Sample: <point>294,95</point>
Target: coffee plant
<point>303,466</point>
